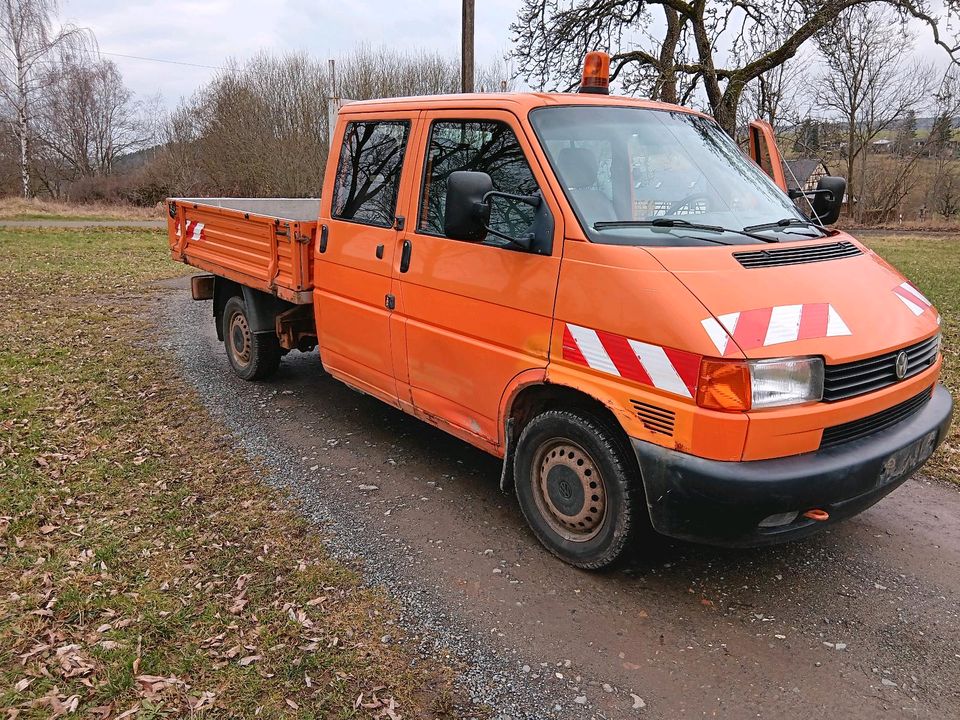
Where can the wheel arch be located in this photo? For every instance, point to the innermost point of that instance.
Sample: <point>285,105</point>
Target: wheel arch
<point>534,394</point>
<point>262,308</point>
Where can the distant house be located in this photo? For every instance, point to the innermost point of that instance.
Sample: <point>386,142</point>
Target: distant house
<point>882,145</point>
<point>804,174</point>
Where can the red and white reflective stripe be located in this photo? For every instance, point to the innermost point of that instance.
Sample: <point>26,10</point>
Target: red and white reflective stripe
<point>674,371</point>
<point>762,327</point>
<point>912,298</point>
<point>194,230</point>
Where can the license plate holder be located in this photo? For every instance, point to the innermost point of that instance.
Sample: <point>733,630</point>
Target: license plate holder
<point>906,460</point>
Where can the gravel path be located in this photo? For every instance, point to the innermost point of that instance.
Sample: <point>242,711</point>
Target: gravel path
<point>860,622</point>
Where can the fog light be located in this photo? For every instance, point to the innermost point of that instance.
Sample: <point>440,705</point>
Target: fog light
<point>779,519</point>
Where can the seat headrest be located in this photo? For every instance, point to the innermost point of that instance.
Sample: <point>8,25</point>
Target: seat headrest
<point>578,167</point>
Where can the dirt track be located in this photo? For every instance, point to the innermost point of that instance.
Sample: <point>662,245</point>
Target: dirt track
<point>77,224</point>
<point>860,622</point>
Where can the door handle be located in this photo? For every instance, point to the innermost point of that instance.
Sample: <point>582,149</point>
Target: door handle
<point>405,256</point>
<point>323,239</point>
<point>380,251</point>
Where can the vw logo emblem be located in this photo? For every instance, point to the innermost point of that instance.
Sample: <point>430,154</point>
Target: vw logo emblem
<point>901,366</point>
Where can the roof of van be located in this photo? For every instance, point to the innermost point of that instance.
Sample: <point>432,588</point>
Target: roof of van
<point>513,101</point>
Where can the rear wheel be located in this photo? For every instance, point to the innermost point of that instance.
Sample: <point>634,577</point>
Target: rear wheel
<point>253,356</point>
<point>579,488</point>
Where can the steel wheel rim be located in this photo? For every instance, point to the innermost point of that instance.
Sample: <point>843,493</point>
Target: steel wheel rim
<point>568,490</point>
<point>240,339</point>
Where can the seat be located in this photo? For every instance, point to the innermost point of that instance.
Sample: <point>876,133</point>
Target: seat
<point>578,168</point>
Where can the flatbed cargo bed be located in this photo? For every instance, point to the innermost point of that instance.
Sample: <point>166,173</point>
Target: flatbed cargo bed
<point>263,243</point>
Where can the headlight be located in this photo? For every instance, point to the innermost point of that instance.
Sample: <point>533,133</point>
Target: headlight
<point>751,384</point>
<point>785,382</point>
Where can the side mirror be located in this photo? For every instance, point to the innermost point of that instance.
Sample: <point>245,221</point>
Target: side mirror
<point>467,212</point>
<point>469,203</point>
<point>828,199</point>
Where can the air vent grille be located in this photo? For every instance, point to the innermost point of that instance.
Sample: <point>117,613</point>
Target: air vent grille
<point>797,255</point>
<point>874,423</point>
<point>654,419</point>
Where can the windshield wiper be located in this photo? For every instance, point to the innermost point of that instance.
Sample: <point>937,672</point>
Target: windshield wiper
<point>667,222</point>
<point>785,223</point>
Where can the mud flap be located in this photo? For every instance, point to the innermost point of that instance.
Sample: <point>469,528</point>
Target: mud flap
<point>506,474</point>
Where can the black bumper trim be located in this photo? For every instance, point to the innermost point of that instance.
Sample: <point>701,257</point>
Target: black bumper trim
<point>722,503</point>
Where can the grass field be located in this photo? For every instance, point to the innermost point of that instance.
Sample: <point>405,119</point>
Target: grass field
<point>932,262</point>
<point>145,571</point>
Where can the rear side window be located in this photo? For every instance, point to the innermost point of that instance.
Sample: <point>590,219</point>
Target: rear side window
<point>486,146</point>
<point>368,174</point>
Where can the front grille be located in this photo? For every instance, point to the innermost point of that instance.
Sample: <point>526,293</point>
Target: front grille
<point>797,255</point>
<point>874,423</point>
<point>654,419</point>
<point>862,376</point>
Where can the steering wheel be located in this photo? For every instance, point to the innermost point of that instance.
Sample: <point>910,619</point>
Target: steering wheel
<point>687,201</point>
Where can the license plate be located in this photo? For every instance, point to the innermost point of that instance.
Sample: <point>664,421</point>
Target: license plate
<point>909,458</point>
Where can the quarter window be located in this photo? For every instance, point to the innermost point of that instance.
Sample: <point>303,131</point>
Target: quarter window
<point>486,146</point>
<point>368,173</point>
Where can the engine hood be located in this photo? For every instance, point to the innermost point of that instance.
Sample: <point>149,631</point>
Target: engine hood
<point>830,296</point>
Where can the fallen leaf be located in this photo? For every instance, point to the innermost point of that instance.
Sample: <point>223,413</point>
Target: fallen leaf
<point>22,684</point>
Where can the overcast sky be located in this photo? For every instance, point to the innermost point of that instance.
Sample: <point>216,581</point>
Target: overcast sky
<point>206,32</point>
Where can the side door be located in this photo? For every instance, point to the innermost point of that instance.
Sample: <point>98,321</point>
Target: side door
<point>355,252</point>
<point>476,315</point>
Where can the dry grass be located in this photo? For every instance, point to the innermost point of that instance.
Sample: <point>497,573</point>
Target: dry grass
<point>145,568</point>
<point>12,208</point>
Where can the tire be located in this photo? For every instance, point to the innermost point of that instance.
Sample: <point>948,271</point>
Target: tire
<point>253,356</point>
<point>579,488</point>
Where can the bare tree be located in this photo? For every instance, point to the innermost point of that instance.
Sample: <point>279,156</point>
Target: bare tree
<point>944,191</point>
<point>27,40</point>
<point>87,119</point>
<point>261,127</point>
<point>552,36</point>
<point>870,83</point>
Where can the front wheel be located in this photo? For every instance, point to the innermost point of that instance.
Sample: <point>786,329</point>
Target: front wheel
<point>579,488</point>
<point>252,355</point>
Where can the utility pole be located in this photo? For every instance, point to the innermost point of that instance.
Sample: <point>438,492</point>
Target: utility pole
<point>466,48</point>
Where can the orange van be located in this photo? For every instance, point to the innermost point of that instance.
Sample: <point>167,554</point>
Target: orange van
<point>606,293</point>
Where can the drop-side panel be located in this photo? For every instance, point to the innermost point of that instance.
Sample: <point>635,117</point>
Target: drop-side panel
<point>230,238</point>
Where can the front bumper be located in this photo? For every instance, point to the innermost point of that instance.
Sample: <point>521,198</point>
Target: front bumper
<point>722,503</point>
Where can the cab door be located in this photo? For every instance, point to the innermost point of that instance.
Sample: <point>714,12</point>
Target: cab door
<point>355,251</point>
<point>765,153</point>
<point>475,315</point>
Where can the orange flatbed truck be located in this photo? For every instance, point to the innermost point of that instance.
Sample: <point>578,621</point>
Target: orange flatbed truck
<point>605,292</point>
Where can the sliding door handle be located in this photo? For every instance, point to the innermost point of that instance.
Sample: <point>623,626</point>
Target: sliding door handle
<point>405,256</point>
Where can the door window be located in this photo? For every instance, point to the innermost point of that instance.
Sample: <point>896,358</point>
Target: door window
<point>368,173</point>
<point>480,145</point>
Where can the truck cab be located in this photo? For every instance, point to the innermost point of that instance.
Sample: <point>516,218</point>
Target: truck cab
<point>606,293</point>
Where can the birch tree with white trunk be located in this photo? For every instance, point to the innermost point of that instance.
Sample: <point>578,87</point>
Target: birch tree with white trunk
<point>28,38</point>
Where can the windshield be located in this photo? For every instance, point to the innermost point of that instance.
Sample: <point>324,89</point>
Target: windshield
<point>630,166</point>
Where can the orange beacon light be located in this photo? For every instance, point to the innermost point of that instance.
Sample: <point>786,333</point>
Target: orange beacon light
<point>596,73</point>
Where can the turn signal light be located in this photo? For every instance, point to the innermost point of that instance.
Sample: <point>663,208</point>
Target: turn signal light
<point>724,385</point>
<point>596,73</point>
